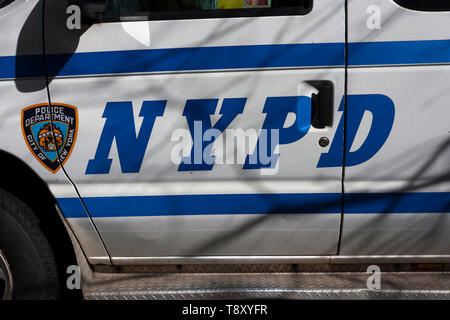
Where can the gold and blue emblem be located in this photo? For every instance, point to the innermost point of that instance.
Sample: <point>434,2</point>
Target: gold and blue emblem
<point>50,132</point>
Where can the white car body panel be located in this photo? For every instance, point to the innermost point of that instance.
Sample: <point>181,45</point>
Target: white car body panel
<point>416,157</point>
<point>395,195</point>
<point>130,234</point>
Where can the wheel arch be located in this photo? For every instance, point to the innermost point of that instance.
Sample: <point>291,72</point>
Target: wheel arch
<point>37,196</point>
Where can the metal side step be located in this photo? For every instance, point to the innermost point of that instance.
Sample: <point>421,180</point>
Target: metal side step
<point>336,285</point>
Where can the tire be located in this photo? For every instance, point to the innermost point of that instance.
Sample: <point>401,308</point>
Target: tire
<point>27,251</point>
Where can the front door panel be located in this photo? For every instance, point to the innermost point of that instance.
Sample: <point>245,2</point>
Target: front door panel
<point>148,91</point>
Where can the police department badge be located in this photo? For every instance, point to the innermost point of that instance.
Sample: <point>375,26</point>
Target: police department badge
<point>50,132</point>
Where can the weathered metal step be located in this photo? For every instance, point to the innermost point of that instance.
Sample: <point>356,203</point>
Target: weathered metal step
<point>336,285</point>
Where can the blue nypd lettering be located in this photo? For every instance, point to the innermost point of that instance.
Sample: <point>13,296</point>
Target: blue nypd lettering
<point>120,126</point>
<point>383,113</point>
<point>277,110</point>
<point>199,111</point>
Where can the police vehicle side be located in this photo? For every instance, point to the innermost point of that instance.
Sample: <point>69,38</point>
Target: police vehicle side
<point>220,132</point>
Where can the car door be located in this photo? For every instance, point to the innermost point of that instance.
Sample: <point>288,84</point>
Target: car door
<point>201,125</point>
<point>23,90</point>
<point>398,202</point>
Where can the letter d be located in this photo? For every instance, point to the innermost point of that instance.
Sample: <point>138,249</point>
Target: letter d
<point>383,113</point>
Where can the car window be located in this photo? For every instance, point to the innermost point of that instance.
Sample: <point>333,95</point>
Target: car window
<point>179,9</point>
<point>422,5</point>
<point>4,3</point>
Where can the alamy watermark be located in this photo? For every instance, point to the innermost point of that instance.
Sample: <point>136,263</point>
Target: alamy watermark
<point>374,19</point>
<point>374,280</point>
<point>73,21</point>
<point>235,147</point>
<point>74,278</point>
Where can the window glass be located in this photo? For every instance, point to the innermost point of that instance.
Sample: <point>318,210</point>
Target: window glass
<point>425,5</point>
<point>204,8</point>
<point>4,3</point>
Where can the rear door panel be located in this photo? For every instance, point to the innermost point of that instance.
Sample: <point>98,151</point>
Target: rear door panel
<point>405,207</point>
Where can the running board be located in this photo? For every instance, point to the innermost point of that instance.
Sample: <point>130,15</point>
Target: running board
<point>255,282</point>
<point>233,286</point>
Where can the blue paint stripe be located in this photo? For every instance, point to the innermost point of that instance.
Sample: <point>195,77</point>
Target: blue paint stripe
<point>181,59</point>
<point>228,57</point>
<point>202,58</point>
<point>398,52</point>
<point>323,203</point>
<point>7,67</point>
<point>204,205</point>
<point>72,208</point>
<point>426,202</point>
<point>12,67</point>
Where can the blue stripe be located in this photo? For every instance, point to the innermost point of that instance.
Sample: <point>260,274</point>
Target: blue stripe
<point>398,52</point>
<point>229,57</point>
<point>12,67</point>
<point>182,59</point>
<point>202,58</point>
<point>323,203</point>
<point>72,208</point>
<point>426,202</point>
<point>204,205</point>
<point>7,67</point>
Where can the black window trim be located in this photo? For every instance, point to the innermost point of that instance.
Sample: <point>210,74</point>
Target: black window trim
<point>425,5</point>
<point>4,4</point>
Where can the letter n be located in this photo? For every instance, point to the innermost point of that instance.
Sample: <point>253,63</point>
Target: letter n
<point>120,126</point>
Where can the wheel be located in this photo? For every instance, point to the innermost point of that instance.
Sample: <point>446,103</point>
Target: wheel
<point>6,284</point>
<point>28,268</point>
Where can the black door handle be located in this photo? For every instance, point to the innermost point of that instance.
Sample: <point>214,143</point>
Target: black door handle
<point>322,104</point>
